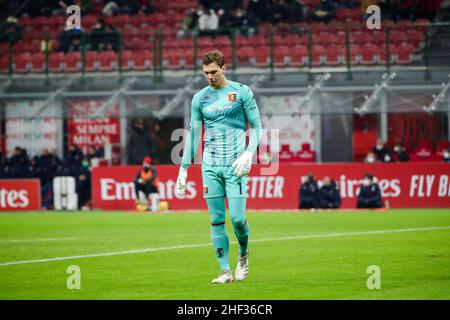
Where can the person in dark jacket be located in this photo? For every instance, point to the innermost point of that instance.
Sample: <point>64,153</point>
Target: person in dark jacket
<point>308,192</point>
<point>328,195</point>
<point>45,167</point>
<point>146,185</point>
<point>82,176</point>
<point>19,165</point>
<point>369,195</point>
<point>382,152</point>
<point>400,153</point>
<point>141,143</point>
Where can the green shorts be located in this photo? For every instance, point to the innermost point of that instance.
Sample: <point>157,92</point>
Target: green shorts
<point>220,181</point>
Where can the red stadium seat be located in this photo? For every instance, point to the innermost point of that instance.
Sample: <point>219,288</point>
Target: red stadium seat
<point>318,55</point>
<point>442,147</point>
<point>242,41</point>
<point>73,61</point>
<point>91,58</point>
<point>305,154</point>
<point>55,61</point>
<point>368,54</point>
<point>22,62</point>
<point>222,42</point>
<point>404,53</point>
<point>285,154</point>
<point>142,60</point>
<point>281,54</point>
<point>298,56</point>
<point>335,55</point>
<point>38,62</point>
<point>174,59</point>
<point>4,64</point>
<point>244,53</point>
<point>108,61</point>
<point>261,57</point>
<point>127,60</point>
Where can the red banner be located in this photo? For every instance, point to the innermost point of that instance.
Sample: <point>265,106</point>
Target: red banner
<point>403,185</point>
<point>85,132</point>
<point>20,195</point>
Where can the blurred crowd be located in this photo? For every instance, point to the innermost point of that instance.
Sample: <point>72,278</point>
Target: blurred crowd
<point>324,194</point>
<point>47,166</point>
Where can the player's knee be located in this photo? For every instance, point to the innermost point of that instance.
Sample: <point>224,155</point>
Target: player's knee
<point>239,223</point>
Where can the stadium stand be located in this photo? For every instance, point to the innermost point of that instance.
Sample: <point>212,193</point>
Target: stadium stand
<point>328,40</point>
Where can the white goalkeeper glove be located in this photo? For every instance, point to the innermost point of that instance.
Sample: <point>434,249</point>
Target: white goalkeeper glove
<point>180,187</point>
<point>243,164</point>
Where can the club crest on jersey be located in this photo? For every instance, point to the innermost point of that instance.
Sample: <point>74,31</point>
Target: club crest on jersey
<point>232,96</point>
<point>205,189</point>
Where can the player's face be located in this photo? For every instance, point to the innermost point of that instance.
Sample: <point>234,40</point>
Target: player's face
<point>214,74</point>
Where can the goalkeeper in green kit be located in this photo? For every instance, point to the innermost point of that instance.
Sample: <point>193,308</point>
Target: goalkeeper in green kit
<point>224,108</point>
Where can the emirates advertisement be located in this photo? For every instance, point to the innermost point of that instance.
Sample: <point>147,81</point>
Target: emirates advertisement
<point>403,185</point>
<point>20,195</point>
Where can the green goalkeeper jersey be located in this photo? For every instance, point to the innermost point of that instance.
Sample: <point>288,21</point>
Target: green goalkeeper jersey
<point>224,113</point>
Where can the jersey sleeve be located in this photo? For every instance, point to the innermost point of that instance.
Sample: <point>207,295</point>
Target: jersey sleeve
<point>253,117</point>
<point>195,130</point>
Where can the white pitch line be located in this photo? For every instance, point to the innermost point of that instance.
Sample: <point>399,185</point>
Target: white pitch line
<point>37,240</point>
<point>188,246</point>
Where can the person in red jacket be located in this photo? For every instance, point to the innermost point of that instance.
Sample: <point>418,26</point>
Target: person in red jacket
<point>146,184</point>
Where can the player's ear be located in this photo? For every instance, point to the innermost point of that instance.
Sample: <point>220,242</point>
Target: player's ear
<point>224,68</point>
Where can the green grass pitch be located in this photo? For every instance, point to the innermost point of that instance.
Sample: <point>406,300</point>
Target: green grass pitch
<point>321,255</point>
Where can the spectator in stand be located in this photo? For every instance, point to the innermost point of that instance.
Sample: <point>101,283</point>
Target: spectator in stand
<point>244,21</point>
<point>141,143</point>
<point>405,9</point>
<point>296,11</point>
<point>382,152</point>
<point>328,194</point>
<point>369,195</point>
<point>104,37</point>
<point>428,8</point>
<point>146,184</point>
<point>262,10</point>
<point>370,158</point>
<point>400,153</point>
<point>189,24</point>
<point>308,192</point>
<point>70,39</point>
<point>147,6</point>
<point>11,31</point>
<point>208,22</point>
<point>446,155</point>
<point>280,11</point>
<point>324,11</point>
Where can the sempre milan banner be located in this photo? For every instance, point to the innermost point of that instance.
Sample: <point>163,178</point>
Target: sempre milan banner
<point>20,195</point>
<point>84,131</point>
<point>403,185</point>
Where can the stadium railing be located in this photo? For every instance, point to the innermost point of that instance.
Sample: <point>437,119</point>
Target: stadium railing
<point>295,46</point>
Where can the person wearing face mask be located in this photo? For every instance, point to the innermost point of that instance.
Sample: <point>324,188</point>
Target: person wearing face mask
<point>328,195</point>
<point>370,158</point>
<point>369,196</point>
<point>146,184</point>
<point>447,155</point>
<point>382,152</point>
<point>324,11</point>
<point>400,152</point>
<point>308,192</point>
